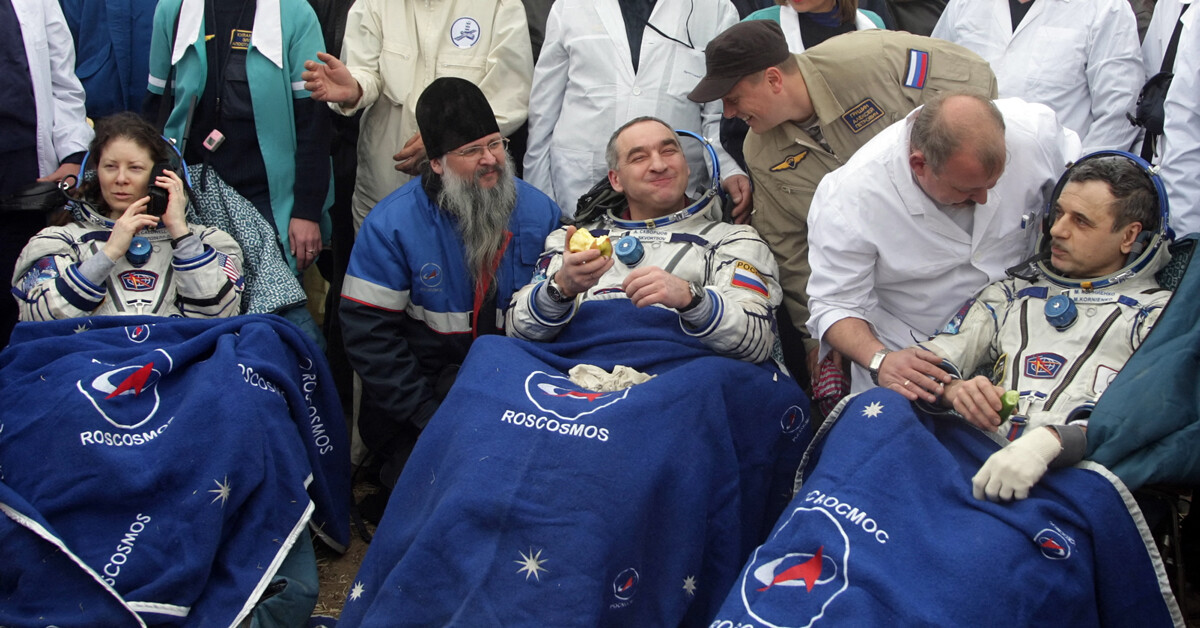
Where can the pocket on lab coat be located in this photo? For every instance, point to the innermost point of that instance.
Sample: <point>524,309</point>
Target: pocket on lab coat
<point>397,65</point>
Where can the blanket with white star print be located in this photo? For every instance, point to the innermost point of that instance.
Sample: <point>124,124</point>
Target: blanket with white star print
<point>884,531</point>
<point>157,471</point>
<point>530,501</point>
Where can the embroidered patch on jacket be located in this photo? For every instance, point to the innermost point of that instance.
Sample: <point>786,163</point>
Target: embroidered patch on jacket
<point>1044,365</point>
<point>431,275</point>
<point>138,280</point>
<point>464,32</point>
<point>956,321</point>
<point>1104,377</point>
<point>230,269</point>
<point>44,269</point>
<point>790,162</point>
<point>918,69</point>
<point>240,39</point>
<point>747,276</point>
<point>862,115</point>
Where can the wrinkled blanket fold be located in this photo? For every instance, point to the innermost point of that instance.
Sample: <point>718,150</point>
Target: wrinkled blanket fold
<point>531,501</point>
<point>159,470</point>
<point>884,531</point>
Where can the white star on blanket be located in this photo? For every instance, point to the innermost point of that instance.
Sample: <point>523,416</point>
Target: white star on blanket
<point>873,409</point>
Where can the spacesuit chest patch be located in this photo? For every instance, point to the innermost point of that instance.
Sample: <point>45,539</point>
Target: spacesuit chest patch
<point>1044,365</point>
<point>862,115</point>
<point>138,280</point>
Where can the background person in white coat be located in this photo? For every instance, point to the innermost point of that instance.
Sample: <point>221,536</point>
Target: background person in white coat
<point>44,132</point>
<point>1181,130</point>
<point>919,220</point>
<point>393,49</point>
<point>1081,58</point>
<point>607,61</point>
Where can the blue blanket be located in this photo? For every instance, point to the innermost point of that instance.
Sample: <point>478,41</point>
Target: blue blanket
<point>159,470</point>
<point>884,531</point>
<point>531,501</point>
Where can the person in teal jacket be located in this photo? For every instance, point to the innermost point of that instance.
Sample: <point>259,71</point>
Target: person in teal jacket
<point>232,69</point>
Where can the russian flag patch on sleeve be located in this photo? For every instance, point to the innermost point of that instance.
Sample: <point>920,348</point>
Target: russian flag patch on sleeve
<point>918,69</point>
<point>746,276</point>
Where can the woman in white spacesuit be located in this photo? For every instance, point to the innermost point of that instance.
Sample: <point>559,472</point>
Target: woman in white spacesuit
<point>125,253</point>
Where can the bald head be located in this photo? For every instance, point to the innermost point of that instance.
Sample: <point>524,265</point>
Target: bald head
<point>956,149</point>
<point>956,123</point>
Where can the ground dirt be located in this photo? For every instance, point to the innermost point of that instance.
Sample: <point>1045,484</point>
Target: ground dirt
<point>337,572</point>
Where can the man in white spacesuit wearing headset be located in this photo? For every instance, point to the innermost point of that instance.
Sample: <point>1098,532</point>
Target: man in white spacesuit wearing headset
<point>670,252</point>
<point>1063,324</point>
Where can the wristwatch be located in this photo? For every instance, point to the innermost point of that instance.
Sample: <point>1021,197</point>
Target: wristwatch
<point>697,297</point>
<point>876,362</point>
<point>555,293</point>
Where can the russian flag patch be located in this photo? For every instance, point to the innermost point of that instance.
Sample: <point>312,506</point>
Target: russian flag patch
<point>746,276</point>
<point>918,69</point>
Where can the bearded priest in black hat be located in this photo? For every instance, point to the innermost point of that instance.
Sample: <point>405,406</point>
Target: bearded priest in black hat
<point>435,266</point>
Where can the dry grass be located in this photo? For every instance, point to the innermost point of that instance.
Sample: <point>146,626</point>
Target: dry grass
<point>337,572</point>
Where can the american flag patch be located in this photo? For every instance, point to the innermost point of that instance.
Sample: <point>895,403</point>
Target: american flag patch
<point>229,268</point>
<point>746,276</point>
<point>918,69</point>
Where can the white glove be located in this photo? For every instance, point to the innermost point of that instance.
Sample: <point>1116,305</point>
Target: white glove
<point>1010,473</point>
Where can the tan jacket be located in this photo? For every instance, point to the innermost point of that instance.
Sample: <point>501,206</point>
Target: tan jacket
<point>395,48</point>
<point>860,83</point>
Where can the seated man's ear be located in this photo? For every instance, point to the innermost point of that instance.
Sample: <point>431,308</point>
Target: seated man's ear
<point>1130,239</point>
<point>615,181</point>
<point>436,165</point>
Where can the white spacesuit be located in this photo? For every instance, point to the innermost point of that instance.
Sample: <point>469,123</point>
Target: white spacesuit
<point>198,275</point>
<point>1057,341</point>
<point>731,263</point>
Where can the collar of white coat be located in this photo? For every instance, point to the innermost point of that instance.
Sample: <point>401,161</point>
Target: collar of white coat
<point>267,35</point>
<point>790,23</point>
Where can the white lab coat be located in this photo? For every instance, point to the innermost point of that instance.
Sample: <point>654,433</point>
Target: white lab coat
<point>1181,131</point>
<point>584,87</point>
<point>1081,58</point>
<point>1158,34</point>
<point>881,251</point>
<point>62,128</point>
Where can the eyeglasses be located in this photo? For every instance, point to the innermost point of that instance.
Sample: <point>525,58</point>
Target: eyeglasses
<point>475,152</point>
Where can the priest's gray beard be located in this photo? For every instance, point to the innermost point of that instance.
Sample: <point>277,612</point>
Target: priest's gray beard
<point>482,214</point>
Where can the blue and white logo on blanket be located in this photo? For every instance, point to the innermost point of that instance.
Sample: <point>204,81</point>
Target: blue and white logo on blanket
<point>1053,544</point>
<point>792,578</point>
<point>138,333</point>
<point>565,399</point>
<point>794,420</point>
<point>625,585</point>
<point>126,397</point>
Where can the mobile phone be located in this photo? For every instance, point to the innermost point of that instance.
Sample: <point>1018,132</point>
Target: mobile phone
<point>158,196</point>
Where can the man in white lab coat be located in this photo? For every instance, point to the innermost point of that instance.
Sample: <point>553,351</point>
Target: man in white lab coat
<point>1080,58</point>
<point>919,220</point>
<point>1181,130</point>
<point>607,61</point>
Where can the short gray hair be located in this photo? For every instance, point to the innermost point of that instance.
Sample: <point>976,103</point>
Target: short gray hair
<point>938,139</point>
<point>610,151</point>
<point>1135,199</point>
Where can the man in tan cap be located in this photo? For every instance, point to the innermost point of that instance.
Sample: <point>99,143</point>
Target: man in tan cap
<point>809,112</point>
